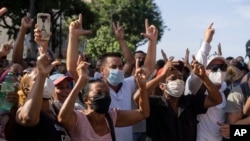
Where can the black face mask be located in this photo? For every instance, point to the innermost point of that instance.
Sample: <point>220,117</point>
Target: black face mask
<point>101,103</point>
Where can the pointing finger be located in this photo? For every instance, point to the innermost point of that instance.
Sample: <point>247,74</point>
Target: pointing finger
<point>211,25</point>
<point>146,23</point>
<point>80,19</point>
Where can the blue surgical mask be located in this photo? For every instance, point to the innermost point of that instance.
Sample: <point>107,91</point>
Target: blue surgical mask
<point>115,77</point>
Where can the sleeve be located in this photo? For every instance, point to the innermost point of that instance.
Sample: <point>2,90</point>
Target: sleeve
<point>201,57</point>
<point>235,102</point>
<point>199,100</point>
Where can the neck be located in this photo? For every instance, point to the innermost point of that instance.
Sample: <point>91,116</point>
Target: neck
<point>93,116</point>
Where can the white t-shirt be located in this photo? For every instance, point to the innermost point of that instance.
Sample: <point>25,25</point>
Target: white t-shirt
<point>207,128</point>
<point>122,100</point>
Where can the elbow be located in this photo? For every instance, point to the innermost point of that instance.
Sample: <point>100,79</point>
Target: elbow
<point>28,120</point>
<point>62,119</point>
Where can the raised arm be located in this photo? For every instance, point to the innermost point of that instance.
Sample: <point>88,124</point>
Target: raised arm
<point>152,84</point>
<point>130,117</point>
<point>201,57</point>
<point>130,61</point>
<point>17,56</point>
<point>29,113</point>
<point>67,116</point>
<point>75,30</point>
<point>214,97</point>
<point>152,35</point>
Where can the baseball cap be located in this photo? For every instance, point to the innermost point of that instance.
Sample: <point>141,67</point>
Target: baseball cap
<point>214,57</point>
<point>248,48</point>
<point>58,78</point>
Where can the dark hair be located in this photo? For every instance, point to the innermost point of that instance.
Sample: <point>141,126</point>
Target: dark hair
<point>160,63</point>
<point>85,91</point>
<point>229,58</point>
<point>110,54</point>
<point>140,51</point>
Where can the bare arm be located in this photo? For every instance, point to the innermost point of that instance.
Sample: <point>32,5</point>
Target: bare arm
<point>130,117</point>
<point>130,61</point>
<point>152,84</point>
<point>152,35</point>
<point>237,118</point>
<point>67,116</point>
<point>214,97</point>
<point>75,30</point>
<point>29,113</point>
<point>17,56</point>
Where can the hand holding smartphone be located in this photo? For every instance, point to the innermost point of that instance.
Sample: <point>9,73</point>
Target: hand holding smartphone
<point>44,23</point>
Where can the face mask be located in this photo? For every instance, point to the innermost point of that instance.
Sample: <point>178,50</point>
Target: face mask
<point>175,88</point>
<point>217,77</point>
<point>115,77</point>
<point>101,103</point>
<point>48,89</point>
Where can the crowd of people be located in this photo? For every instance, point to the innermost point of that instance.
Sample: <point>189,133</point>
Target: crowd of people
<point>129,97</point>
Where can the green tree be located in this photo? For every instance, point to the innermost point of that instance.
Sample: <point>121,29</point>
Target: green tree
<point>131,14</point>
<point>58,9</point>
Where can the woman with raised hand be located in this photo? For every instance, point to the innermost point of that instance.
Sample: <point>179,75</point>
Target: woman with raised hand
<point>96,121</point>
<point>36,120</point>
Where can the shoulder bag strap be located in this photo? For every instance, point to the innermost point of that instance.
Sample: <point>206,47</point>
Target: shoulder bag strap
<point>111,126</point>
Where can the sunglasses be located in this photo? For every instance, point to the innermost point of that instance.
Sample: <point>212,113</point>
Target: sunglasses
<point>215,67</point>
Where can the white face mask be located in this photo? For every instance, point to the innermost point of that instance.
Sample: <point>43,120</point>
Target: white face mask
<point>175,88</point>
<point>217,77</point>
<point>48,89</point>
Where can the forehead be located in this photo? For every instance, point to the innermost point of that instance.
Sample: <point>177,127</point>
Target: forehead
<point>99,87</point>
<point>113,61</point>
<point>141,55</point>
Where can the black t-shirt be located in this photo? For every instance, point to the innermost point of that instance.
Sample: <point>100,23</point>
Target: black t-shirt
<point>46,130</point>
<point>164,124</point>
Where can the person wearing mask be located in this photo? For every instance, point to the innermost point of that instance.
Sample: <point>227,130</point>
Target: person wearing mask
<point>216,67</point>
<point>121,89</point>
<point>173,116</point>
<point>92,123</point>
<point>35,118</point>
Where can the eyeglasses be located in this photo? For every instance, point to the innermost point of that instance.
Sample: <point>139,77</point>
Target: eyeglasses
<point>215,67</point>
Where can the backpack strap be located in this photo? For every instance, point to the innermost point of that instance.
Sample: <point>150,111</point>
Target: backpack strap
<point>111,126</point>
<point>245,90</point>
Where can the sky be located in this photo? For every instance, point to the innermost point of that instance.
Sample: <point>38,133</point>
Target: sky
<point>188,20</point>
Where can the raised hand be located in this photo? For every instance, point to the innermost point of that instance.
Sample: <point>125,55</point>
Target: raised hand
<point>164,56</point>
<point>197,68</point>
<point>151,31</point>
<point>44,65</point>
<point>5,48</point>
<point>38,39</point>
<point>140,76</point>
<point>119,32</point>
<point>167,67</point>
<point>219,49</point>
<point>75,27</point>
<point>209,33</point>
<point>82,68</point>
<point>3,10</point>
<point>26,22</point>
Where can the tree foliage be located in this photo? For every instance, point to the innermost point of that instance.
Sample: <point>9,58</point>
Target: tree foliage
<point>131,14</point>
<point>59,10</point>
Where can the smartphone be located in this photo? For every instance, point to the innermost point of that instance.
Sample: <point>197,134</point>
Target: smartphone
<point>44,23</point>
